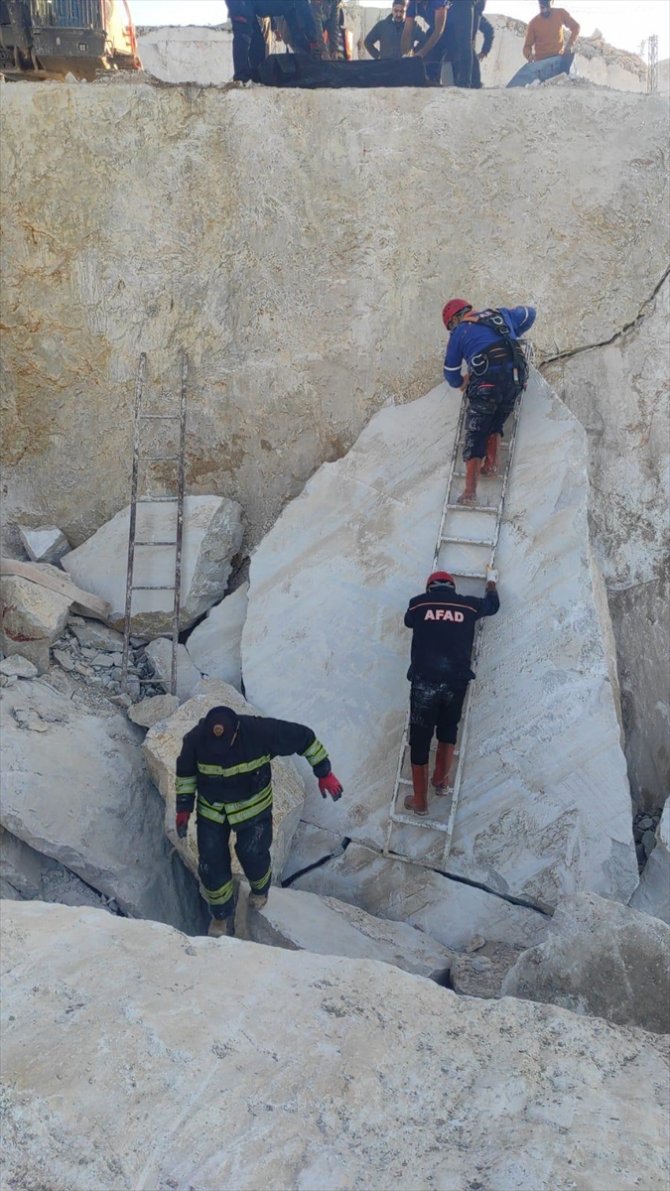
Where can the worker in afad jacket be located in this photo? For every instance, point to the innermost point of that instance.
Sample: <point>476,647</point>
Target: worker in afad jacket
<point>488,342</point>
<point>225,761</point>
<point>443,628</point>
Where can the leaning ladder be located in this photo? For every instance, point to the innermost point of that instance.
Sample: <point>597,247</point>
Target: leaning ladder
<point>450,510</point>
<point>140,459</point>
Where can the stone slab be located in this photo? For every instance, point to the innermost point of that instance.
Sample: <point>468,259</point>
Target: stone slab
<point>159,654</point>
<point>215,644</point>
<point>18,667</point>
<point>162,746</point>
<point>149,711</point>
<point>92,635</point>
<point>27,874</point>
<point>345,1073</point>
<point>600,958</point>
<point>309,845</point>
<point>32,618</point>
<point>544,804</point>
<point>46,543</point>
<point>211,537</point>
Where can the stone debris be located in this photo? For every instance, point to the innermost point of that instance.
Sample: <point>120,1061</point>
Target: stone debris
<point>159,655</point>
<point>544,804</point>
<point>32,617</point>
<point>75,789</point>
<point>16,666</point>
<point>163,745</point>
<point>215,644</point>
<point>151,711</point>
<point>45,544</point>
<point>212,536</point>
<point>92,635</point>
<point>449,911</point>
<point>600,958</point>
<point>653,893</point>
<point>325,926</point>
<point>482,974</point>
<point>343,1073</point>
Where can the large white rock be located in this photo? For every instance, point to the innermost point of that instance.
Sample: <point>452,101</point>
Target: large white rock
<point>159,653</point>
<point>320,1073</point>
<point>187,54</point>
<point>653,893</point>
<point>450,911</point>
<point>618,391</point>
<point>600,958</point>
<point>303,921</point>
<point>31,618</point>
<point>75,789</point>
<point>212,536</point>
<point>544,806</point>
<point>27,874</point>
<point>45,544</point>
<point>162,746</point>
<point>215,644</point>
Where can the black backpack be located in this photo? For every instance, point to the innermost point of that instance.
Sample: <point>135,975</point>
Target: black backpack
<point>480,363</point>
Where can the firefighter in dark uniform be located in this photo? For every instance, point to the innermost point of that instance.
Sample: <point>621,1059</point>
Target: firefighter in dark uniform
<point>248,42</point>
<point>443,628</point>
<point>225,761</point>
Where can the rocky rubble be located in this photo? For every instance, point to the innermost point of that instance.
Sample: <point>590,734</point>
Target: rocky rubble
<point>336,1072</point>
<point>653,893</point>
<point>31,618</point>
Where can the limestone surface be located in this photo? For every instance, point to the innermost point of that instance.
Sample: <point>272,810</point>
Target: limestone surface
<point>653,893</point>
<point>619,392</point>
<point>215,644</point>
<point>449,911</point>
<point>75,789</point>
<point>284,371</point>
<point>603,959</point>
<point>44,544</point>
<point>159,653</point>
<point>303,921</point>
<point>162,746</point>
<point>149,711</point>
<point>342,1073</point>
<point>29,875</point>
<point>544,805</point>
<point>212,536</point>
<point>31,618</point>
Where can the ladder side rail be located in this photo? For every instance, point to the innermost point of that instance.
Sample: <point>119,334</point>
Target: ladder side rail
<point>450,481</point>
<point>396,784</point>
<point>180,522</point>
<point>139,389</point>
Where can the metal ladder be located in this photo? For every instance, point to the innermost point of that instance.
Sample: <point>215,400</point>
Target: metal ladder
<point>452,511</point>
<point>139,460</point>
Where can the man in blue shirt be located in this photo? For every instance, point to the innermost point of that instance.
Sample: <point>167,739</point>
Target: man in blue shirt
<point>487,340</point>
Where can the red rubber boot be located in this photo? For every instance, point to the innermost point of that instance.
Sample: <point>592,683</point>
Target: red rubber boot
<point>418,801</point>
<point>469,493</point>
<point>443,759</point>
<point>490,464</point>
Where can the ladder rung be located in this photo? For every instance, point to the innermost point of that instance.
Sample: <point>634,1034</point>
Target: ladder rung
<point>161,458</point>
<point>161,417</point>
<point>468,574</point>
<point>404,781</point>
<point>474,508</point>
<point>155,681</point>
<point>170,543</point>
<point>152,500</point>
<point>419,821</point>
<point>445,537</point>
<point>152,587</point>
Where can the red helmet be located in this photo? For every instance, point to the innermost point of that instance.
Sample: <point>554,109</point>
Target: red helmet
<point>440,577</point>
<point>454,306</point>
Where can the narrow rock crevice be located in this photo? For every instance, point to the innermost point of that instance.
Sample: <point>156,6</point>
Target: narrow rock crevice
<point>639,318</point>
<point>317,863</point>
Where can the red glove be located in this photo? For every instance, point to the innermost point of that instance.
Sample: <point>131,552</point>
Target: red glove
<point>330,785</point>
<point>182,823</point>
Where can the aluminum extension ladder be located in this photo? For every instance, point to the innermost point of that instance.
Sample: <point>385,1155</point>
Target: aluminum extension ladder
<point>447,541</point>
<point>140,460</point>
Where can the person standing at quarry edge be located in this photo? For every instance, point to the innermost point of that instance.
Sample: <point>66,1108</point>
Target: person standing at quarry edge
<point>226,761</point>
<point>387,34</point>
<point>443,628</point>
<point>546,52</point>
<point>487,340</point>
<point>248,43</point>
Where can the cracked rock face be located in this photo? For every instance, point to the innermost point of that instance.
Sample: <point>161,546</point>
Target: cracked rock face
<point>544,805</point>
<point>341,1073</point>
<point>285,373</point>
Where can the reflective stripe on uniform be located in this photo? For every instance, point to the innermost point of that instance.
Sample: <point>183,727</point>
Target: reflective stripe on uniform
<point>186,785</point>
<point>316,753</point>
<point>218,897</point>
<point>245,767</point>
<point>240,812</point>
<point>262,880</point>
<point>207,811</point>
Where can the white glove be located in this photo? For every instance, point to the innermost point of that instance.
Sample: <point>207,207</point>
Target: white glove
<point>491,575</point>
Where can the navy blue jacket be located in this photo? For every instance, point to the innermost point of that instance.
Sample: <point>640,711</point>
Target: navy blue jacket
<point>469,338</point>
<point>443,625</point>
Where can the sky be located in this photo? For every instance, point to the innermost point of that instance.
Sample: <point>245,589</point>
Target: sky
<point>624,23</point>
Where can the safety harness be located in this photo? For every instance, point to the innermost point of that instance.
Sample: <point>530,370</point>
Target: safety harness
<point>500,355</point>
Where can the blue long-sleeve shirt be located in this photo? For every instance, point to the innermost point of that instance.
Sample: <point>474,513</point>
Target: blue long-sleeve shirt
<point>469,338</point>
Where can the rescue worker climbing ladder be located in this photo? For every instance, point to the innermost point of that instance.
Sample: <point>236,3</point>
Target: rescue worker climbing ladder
<point>225,761</point>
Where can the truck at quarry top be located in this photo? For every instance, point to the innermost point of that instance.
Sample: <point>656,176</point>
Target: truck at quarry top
<point>48,39</point>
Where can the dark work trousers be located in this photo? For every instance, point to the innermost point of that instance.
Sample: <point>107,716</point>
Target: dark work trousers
<point>252,844</point>
<point>459,37</point>
<point>476,80</point>
<point>434,705</point>
<point>248,41</point>
<point>491,399</point>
